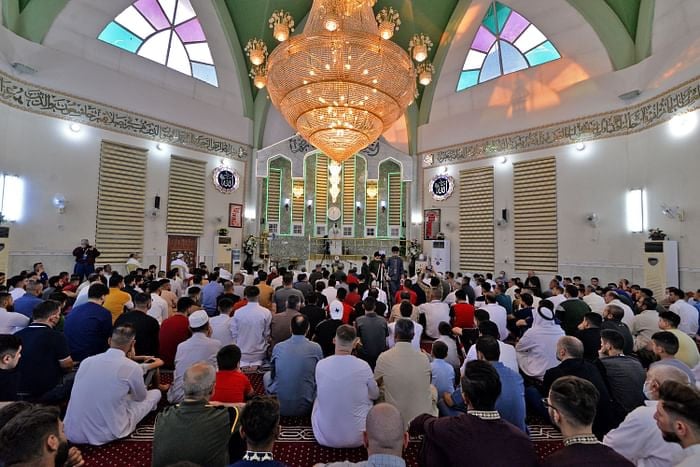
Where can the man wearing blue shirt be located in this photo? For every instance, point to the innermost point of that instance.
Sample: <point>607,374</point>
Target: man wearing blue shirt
<point>293,371</point>
<point>26,303</point>
<point>210,293</point>
<point>443,375</point>
<point>89,326</point>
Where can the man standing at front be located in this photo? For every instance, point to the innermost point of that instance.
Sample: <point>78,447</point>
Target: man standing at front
<point>394,266</point>
<point>109,396</point>
<point>346,389</point>
<point>85,259</point>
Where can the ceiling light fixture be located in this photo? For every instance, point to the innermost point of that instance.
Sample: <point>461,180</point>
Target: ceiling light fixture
<point>580,146</point>
<point>339,84</point>
<point>389,22</point>
<point>282,24</point>
<point>420,45</point>
<point>74,127</point>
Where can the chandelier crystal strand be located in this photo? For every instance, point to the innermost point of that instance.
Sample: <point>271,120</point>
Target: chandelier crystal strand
<point>340,90</point>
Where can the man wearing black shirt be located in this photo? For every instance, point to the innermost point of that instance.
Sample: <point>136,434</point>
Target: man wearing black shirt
<point>325,331</point>
<point>147,328</point>
<point>589,334</point>
<point>45,357</point>
<point>313,312</point>
<point>612,315</point>
<point>10,354</point>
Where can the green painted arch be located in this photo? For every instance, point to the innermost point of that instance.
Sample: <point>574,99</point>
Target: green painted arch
<point>443,48</point>
<point>31,19</point>
<point>610,29</point>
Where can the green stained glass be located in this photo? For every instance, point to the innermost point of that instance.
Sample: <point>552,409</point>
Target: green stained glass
<point>120,37</point>
<point>490,20</point>
<point>543,53</point>
<point>502,13</point>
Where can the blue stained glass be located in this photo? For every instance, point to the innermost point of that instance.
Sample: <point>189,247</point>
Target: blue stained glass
<point>503,57</point>
<point>120,37</point>
<point>543,53</point>
<point>468,79</point>
<point>492,65</point>
<point>512,59</point>
<point>205,73</point>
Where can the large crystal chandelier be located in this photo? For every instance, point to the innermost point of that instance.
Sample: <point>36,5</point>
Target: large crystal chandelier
<point>339,83</point>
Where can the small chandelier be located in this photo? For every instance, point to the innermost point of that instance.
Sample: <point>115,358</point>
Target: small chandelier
<point>419,46</point>
<point>425,73</point>
<point>389,22</point>
<point>298,190</point>
<point>259,75</point>
<point>282,24</point>
<point>339,84</point>
<point>372,191</point>
<point>257,51</point>
<point>334,168</point>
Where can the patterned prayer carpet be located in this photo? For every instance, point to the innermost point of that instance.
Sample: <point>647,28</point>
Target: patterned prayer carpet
<point>296,445</point>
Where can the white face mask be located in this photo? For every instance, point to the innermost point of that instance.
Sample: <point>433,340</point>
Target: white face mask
<point>647,390</point>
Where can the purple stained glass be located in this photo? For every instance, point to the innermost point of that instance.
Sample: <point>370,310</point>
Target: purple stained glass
<point>153,13</point>
<point>191,31</point>
<point>483,40</point>
<point>514,27</point>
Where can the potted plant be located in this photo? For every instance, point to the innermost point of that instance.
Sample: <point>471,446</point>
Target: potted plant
<point>657,234</point>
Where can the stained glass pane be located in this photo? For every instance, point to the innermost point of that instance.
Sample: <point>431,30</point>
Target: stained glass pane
<point>168,7</point>
<point>490,20</point>
<point>152,11</point>
<point>512,59</point>
<point>156,47</point>
<point>178,59</point>
<point>132,20</point>
<point>530,38</point>
<point>492,65</point>
<point>167,32</point>
<point>542,54</point>
<point>205,73</point>
<point>184,12</point>
<point>474,60</point>
<point>483,40</point>
<point>505,43</point>
<point>120,37</point>
<point>191,31</point>
<point>200,53</point>
<point>502,13</point>
<point>468,79</point>
<point>516,24</point>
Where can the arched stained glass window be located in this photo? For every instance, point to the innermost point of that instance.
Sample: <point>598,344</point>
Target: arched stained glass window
<point>506,42</point>
<point>164,31</point>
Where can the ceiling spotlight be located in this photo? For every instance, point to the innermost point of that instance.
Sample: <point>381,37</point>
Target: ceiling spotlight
<point>74,127</point>
<point>580,146</point>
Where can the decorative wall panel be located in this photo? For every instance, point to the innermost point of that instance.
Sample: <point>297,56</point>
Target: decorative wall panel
<point>476,247</point>
<point>186,188</point>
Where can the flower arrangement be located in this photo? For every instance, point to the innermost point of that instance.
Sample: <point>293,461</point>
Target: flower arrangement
<point>414,249</point>
<point>250,244</point>
<point>657,234</point>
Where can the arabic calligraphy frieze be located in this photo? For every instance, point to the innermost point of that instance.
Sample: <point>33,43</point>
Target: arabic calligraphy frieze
<point>297,144</point>
<point>28,97</point>
<point>652,112</point>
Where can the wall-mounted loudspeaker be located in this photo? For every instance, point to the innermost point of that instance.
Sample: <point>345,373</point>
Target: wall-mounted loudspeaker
<point>156,202</point>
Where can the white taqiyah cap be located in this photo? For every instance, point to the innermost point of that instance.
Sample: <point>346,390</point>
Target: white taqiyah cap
<point>198,319</point>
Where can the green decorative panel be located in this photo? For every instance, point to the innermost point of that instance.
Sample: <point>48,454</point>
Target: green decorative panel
<point>385,169</point>
<point>360,190</point>
<point>284,166</point>
<point>310,190</point>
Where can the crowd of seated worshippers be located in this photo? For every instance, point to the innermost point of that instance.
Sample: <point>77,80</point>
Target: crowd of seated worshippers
<point>613,368</point>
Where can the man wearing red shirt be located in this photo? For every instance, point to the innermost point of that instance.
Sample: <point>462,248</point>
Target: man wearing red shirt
<point>342,297</point>
<point>232,385</point>
<point>353,297</point>
<point>462,311</point>
<point>406,288</point>
<point>175,330</point>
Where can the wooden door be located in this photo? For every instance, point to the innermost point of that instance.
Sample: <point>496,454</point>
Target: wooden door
<point>182,244</point>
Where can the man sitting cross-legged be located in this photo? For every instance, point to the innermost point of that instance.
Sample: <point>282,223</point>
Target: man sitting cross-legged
<point>194,430</point>
<point>109,397</point>
<point>479,436</point>
<point>260,423</point>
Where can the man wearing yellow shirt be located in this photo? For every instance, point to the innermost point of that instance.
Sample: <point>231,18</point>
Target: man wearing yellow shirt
<point>117,299</point>
<point>687,350</point>
<point>266,292</point>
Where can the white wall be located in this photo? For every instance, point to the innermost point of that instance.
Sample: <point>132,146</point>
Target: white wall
<point>51,159</point>
<point>596,180</point>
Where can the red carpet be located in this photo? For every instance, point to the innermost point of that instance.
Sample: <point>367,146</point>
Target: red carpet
<point>296,445</point>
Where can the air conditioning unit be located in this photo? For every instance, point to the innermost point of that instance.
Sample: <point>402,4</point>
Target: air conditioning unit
<point>660,266</point>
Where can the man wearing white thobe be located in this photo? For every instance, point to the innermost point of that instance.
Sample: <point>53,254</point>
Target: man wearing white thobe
<point>250,328</point>
<point>109,397</point>
<point>594,301</point>
<point>179,263</point>
<point>435,312</point>
<point>497,314</point>
<point>687,312</point>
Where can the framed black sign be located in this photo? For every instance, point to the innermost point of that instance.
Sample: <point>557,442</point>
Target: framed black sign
<point>441,187</point>
<point>226,179</point>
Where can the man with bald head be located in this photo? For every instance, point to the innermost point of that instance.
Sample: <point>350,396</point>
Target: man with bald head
<point>638,438</point>
<point>195,431</point>
<point>384,438</point>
